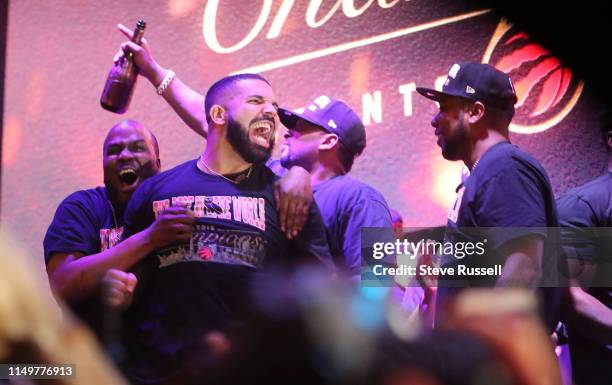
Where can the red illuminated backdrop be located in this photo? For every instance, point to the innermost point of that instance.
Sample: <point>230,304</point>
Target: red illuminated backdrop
<point>372,54</point>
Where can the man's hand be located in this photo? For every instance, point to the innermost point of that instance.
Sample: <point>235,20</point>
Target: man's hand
<point>293,195</point>
<point>174,224</point>
<point>429,282</point>
<point>147,66</point>
<point>118,288</point>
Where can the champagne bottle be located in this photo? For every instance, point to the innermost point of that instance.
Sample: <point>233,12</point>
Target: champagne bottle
<point>121,80</point>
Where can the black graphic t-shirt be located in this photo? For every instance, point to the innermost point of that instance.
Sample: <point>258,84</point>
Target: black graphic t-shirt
<point>84,222</point>
<point>188,289</point>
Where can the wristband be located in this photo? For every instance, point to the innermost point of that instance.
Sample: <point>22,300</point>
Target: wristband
<point>166,82</point>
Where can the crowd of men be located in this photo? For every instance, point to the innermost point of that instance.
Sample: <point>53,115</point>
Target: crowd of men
<point>165,265</point>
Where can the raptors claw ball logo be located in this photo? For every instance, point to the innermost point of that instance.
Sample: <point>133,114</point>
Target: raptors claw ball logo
<point>205,253</point>
<point>546,90</point>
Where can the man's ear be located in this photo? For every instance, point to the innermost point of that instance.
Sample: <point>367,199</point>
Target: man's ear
<point>328,141</point>
<point>476,112</point>
<point>609,139</point>
<point>159,163</point>
<point>218,114</point>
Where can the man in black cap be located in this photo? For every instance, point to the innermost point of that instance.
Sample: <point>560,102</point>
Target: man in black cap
<point>325,140</point>
<point>507,188</point>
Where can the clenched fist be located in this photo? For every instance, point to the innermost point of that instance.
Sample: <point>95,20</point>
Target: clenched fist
<point>118,288</point>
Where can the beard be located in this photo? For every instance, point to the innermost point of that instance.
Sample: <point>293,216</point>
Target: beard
<point>238,137</point>
<point>454,144</point>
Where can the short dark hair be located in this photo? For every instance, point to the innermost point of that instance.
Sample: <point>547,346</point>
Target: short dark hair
<point>220,87</point>
<point>134,123</point>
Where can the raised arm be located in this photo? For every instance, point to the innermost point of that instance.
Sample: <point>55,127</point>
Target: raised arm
<point>186,102</point>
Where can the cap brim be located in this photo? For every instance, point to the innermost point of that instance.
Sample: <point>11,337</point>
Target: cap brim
<point>290,118</point>
<point>432,94</point>
<point>287,118</point>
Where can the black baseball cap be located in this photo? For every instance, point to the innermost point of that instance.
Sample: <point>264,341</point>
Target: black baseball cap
<point>333,116</point>
<point>476,82</point>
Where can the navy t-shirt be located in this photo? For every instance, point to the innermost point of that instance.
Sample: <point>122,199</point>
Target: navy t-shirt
<point>348,205</point>
<point>590,206</point>
<point>85,222</point>
<point>188,289</point>
<point>506,189</point>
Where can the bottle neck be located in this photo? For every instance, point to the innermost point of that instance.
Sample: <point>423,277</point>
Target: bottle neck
<point>137,37</point>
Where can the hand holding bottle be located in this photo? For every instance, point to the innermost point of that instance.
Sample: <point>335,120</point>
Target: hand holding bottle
<point>121,80</point>
<point>143,59</point>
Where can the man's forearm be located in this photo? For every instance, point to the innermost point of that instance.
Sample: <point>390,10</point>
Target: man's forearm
<point>589,317</point>
<point>523,263</point>
<point>77,278</point>
<point>518,270</point>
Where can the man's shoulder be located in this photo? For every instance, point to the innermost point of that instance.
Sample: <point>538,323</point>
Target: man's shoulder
<point>87,198</point>
<point>187,166</point>
<point>597,188</point>
<point>345,194</point>
<point>592,198</point>
<point>170,174</point>
<point>508,161</point>
<point>350,188</point>
<point>506,155</point>
<point>525,159</point>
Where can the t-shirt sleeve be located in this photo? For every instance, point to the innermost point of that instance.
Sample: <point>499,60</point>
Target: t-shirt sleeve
<point>276,167</point>
<point>312,239</point>
<point>576,216</point>
<point>515,200</point>
<point>75,228</point>
<point>371,217</point>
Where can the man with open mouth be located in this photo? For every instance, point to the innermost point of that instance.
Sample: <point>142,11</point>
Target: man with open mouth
<point>79,243</point>
<point>195,287</point>
<point>293,195</point>
<point>363,207</point>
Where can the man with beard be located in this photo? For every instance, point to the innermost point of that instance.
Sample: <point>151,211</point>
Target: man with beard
<point>192,288</point>
<point>325,140</point>
<point>506,188</point>
<point>81,242</point>
<point>293,195</point>
<point>343,217</point>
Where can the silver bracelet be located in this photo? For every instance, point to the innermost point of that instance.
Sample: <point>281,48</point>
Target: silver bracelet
<point>166,82</point>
